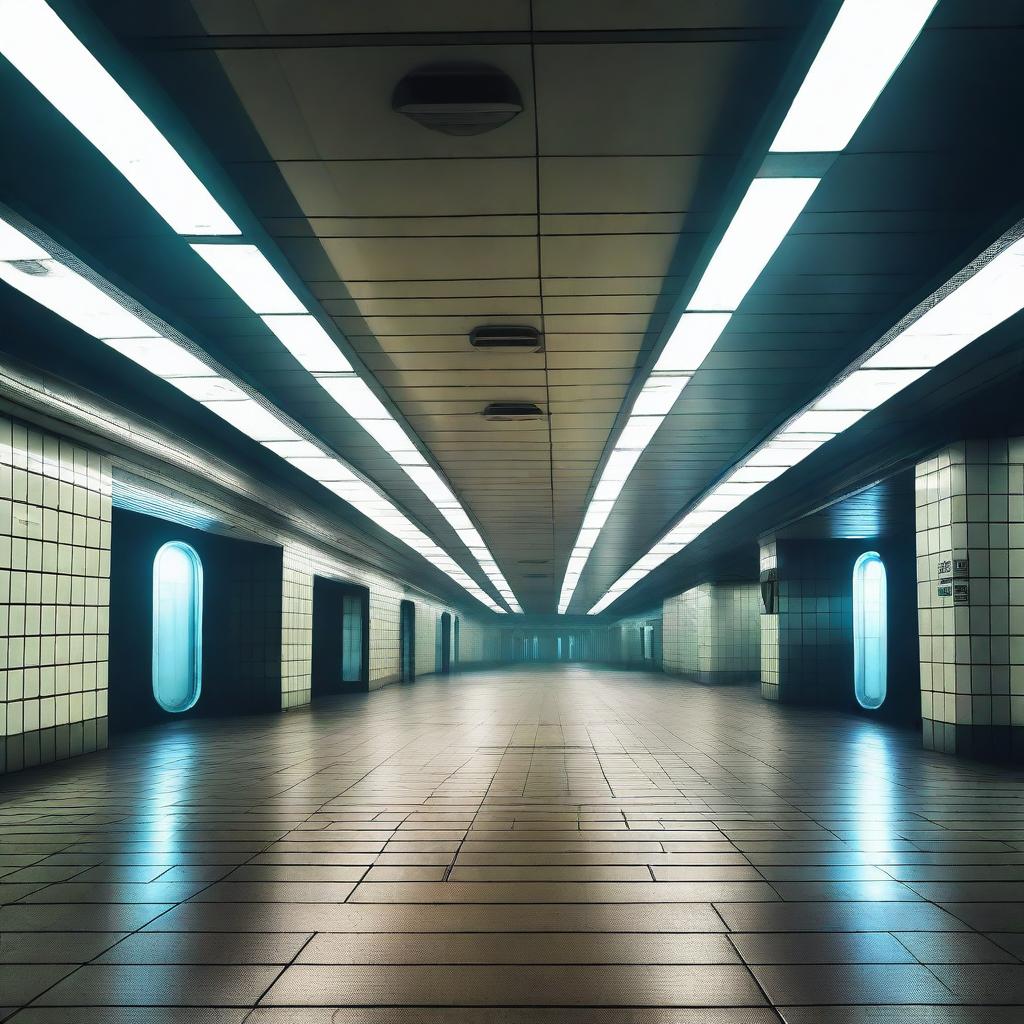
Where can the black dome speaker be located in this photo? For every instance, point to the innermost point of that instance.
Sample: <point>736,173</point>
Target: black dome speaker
<point>458,99</point>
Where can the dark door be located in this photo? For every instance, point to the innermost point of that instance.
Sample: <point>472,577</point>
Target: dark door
<point>407,642</point>
<point>446,642</point>
<point>340,659</point>
<point>327,636</point>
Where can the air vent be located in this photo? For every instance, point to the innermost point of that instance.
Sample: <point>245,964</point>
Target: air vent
<point>458,99</point>
<point>506,411</point>
<point>502,336</point>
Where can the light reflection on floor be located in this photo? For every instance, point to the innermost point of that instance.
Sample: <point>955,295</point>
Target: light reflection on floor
<point>552,843</point>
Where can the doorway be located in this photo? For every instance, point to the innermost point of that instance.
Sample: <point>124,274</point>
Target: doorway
<point>446,643</point>
<point>340,661</point>
<point>407,642</point>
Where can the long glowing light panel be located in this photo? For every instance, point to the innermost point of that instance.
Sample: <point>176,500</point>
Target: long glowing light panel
<point>984,295</point>
<point>35,268</point>
<point>255,281</point>
<point>45,50</point>
<point>864,46</point>
<point>35,40</point>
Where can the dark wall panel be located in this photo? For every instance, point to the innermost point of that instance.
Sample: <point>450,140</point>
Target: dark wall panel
<point>241,621</point>
<point>816,624</point>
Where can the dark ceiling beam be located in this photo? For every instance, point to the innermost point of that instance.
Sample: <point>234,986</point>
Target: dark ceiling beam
<point>341,40</point>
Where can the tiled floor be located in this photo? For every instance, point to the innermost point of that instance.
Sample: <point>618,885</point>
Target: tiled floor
<point>559,845</point>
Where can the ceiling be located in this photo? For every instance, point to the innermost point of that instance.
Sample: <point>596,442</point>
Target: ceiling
<point>584,217</point>
<point>884,510</point>
<point>581,217</point>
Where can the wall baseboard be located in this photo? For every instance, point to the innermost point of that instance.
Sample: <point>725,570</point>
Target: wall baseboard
<point>54,743</point>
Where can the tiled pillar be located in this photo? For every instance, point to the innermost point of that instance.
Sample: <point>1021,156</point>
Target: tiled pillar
<point>970,577</point>
<point>54,597</point>
<point>711,633</point>
<point>296,628</point>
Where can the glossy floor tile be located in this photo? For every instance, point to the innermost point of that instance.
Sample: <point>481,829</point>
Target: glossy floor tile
<point>544,845</point>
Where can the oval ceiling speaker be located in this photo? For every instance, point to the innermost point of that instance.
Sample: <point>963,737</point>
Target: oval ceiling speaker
<point>513,411</point>
<point>503,336</point>
<point>458,99</point>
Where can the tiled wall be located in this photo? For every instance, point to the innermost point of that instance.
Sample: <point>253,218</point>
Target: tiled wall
<point>55,544</point>
<point>54,597</point>
<point>386,595</point>
<point>427,639</point>
<point>478,643</point>
<point>628,648</point>
<point>815,621</point>
<point>970,505</point>
<point>712,633</point>
<point>296,627</point>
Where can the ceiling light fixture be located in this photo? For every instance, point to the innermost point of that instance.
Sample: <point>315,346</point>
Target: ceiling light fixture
<point>762,221</point>
<point>308,342</point>
<point>249,274</point>
<point>94,305</point>
<point>52,58</point>
<point>73,298</point>
<point>460,99</point>
<point>865,44</point>
<point>983,295</point>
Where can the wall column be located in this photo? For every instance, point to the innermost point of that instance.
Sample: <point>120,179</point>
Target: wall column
<point>970,572</point>
<point>54,597</point>
<point>710,633</point>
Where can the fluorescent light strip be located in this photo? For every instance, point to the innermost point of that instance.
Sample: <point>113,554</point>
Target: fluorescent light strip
<point>765,215</point>
<point>95,306</point>
<point>80,302</point>
<point>690,342</point>
<point>50,56</point>
<point>960,313</point>
<point>248,272</point>
<point>763,219</point>
<point>308,342</point>
<point>650,408</point>
<point>864,46</point>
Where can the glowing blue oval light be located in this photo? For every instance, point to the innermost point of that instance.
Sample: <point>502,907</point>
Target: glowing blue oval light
<point>177,627</point>
<point>870,631</point>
